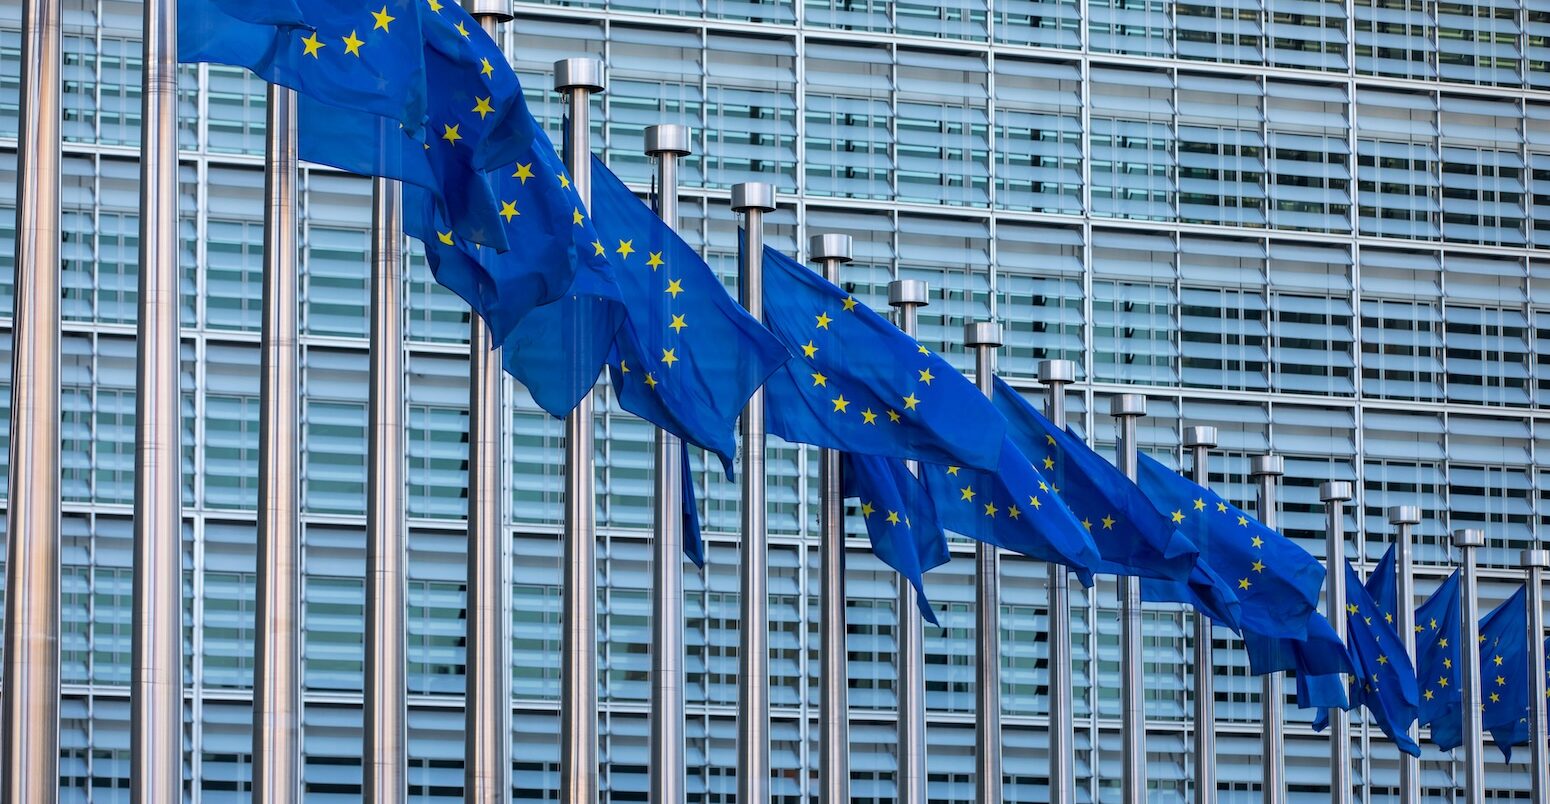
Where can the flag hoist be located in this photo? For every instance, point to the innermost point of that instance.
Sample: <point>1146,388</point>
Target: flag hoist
<point>1057,374</point>
<point>752,200</point>
<point>1335,494</point>
<point>1535,563</point>
<point>1265,469</point>
<point>156,682</point>
<point>1200,441</point>
<point>984,338</point>
<point>831,251</point>
<point>908,296</point>
<point>1403,518</point>
<point>667,143</point>
<point>29,721</point>
<point>1127,408</point>
<point>577,79</point>
<point>1467,540</point>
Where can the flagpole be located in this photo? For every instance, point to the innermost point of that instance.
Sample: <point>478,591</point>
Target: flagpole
<point>487,703</point>
<point>1057,374</point>
<point>1335,494</point>
<point>156,683</point>
<point>29,720</point>
<point>1200,441</point>
<point>831,251</point>
<point>1467,540</point>
<point>578,79</point>
<point>984,338</point>
<point>277,654</point>
<point>1402,517</point>
<point>752,200</point>
<point>386,711</point>
<point>1127,408</point>
<point>1535,562</point>
<point>908,296</point>
<point>1266,469</point>
<point>667,143</point>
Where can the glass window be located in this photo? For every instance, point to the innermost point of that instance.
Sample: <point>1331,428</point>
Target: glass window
<point>1132,160</point>
<point>943,19</point>
<point>1047,23</point>
<point>1139,27</point>
<point>1310,158</point>
<point>1307,33</point>
<point>333,611</point>
<point>653,77</point>
<point>848,15</point>
<point>943,123</point>
<point>1477,41</point>
<point>1039,296</point>
<point>1038,136</point>
<point>1134,308</point>
<point>1395,38</point>
<point>333,428</point>
<point>1221,151</point>
<point>1398,164</point>
<point>849,121</point>
<point>1224,338</point>
<point>231,411</point>
<point>750,111</point>
<point>1222,32</point>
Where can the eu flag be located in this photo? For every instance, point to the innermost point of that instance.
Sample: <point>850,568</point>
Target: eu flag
<point>1386,680</point>
<point>558,350</point>
<point>899,518</point>
<point>1318,661</point>
<point>1437,657</point>
<point>1503,656</point>
<point>691,356</point>
<point>352,54</point>
<point>1383,585</point>
<point>1276,582</point>
<point>1013,508</point>
<point>694,543</point>
<point>857,384</point>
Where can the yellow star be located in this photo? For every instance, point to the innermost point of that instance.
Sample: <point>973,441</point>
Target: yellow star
<point>509,210</point>
<point>1442,682</point>
<point>893,517</point>
<point>669,357</point>
<point>866,510</point>
<point>654,261</point>
<point>1243,521</point>
<point>482,107</point>
<point>1497,661</point>
<point>1049,463</point>
<point>809,351</point>
<point>990,510</point>
<point>450,134</point>
<point>926,376</point>
<point>382,18</point>
<point>312,44</point>
<point>1087,523</point>
<point>1496,697</point>
<point>626,248</point>
<point>1244,583</point>
<point>436,6</point>
<point>1350,608</point>
<point>524,172</point>
<point>1108,522</point>
<point>460,29</point>
<point>576,216</point>
<point>678,324</point>
<point>1382,659</point>
<point>1221,508</point>
<point>352,45</point>
<point>1501,681</point>
<point>910,402</point>
<point>1433,624</point>
<point>967,493</point>
<point>952,470</point>
<point>1388,618</point>
<point>1429,695</point>
<point>597,248</point>
<point>1035,502</point>
<point>445,238</point>
<point>1259,566</point>
<point>651,381</point>
<point>1418,629</point>
<point>823,320</point>
<point>674,287</point>
<point>1043,486</point>
<point>1049,439</point>
<point>1200,505</point>
<point>819,379</point>
<point>564,182</point>
<point>1257,542</point>
<point>486,69</point>
<point>1013,512</point>
<point>624,367</point>
<point>841,404</point>
<point>922,349</point>
<point>1178,516</point>
<point>893,416</point>
<point>868,416</point>
<point>850,303</point>
<point>1448,663</point>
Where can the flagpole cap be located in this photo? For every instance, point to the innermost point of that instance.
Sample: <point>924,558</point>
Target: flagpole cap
<point>1404,515</point>
<point>982,333</point>
<point>1469,537</point>
<point>829,247</point>
<point>583,72</point>
<point>1335,491</point>
<point>753,196</point>
<point>668,139</point>
<point>1127,405</point>
<point>1053,371</point>
<point>1267,465</point>
<point>1536,559</point>
<point>1199,437</point>
<point>480,9</point>
<point>909,293</point>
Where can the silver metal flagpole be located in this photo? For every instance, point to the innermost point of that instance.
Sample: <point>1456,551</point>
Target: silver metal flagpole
<point>1467,540</point>
<point>752,200</point>
<point>1335,494</point>
<point>487,704</point>
<point>1266,469</point>
<point>578,79</point>
<point>156,685</point>
<point>831,251</point>
<point>1535,562</point>
<point>667,143</point>
<point>1402,517</point>
<point>29,720</point>
<point>386,710</point>
<point>1127,408</point>
<point>277,665</point>
<point>1057,374</point>
<point>1200,441</point>
<point>908,296</point>
<point>984,337</point>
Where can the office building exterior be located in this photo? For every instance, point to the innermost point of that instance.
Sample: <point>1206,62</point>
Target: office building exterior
<point>1319,226</point>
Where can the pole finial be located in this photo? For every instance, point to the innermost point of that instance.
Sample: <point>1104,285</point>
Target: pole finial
<point>1127,405</point>
<point>829,246</point>
<point>500,10</point>
<point>1468,537</point>
<point>753,196</point>
<point>1535,559</point>
<point>982,333</point>
<point>1054,371</point>
<point>1200,436</point>
<point>1335,491</point>
<point>668,139</point>
<point>1272,465</point>
<point>1404,514</point>
<point>908,293</point>
<point>581,72</point>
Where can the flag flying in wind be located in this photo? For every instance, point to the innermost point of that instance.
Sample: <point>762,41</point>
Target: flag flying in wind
<point>1502,652</point>
<point>1276,582</point>
<point>353,54</point>
<point>899,517</point>
<point>857,384</point>
<point>1386,680</point>
<point>1437,659</point>
<point>694,544</point>
<point>1319,660</point>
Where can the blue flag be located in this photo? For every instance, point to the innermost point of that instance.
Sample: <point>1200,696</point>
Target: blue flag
<point>1386,681</point>
<point>1383,586</point>
<point>1319,660</point>
<point>1503,656</point>
<point>1013,508</point>
<point>694,543</point>
<point>558,350</point>
<point>857,384</point>
<point>899,517</point>
<point>1276,582</point>
<point>691,356</point>
<point>352,54</point>
<point>1437,632</point>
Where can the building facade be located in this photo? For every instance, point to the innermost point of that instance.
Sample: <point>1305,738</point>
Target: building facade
<point>1319,226</point>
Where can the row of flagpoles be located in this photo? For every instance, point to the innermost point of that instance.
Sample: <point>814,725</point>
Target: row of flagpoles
<point>29,721</point>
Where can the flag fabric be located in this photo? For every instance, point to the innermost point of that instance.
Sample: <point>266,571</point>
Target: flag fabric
<point>694,543</point>
<point>1383,586</point>
<point>1318,661</point>
<point>1276,583</point>
<point>1504,681</point>
<point>1437,632</point>
<point>689,356</point>
<point>857,384</point>
<point>1013,508</point>
<point>364,55</point>
<point>557,350</point>
<point>1386,680</point>
<point>899,518</point>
